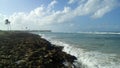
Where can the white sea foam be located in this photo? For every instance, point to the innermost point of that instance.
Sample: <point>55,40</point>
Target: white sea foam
<point>91,59</point>
<point>88,59</point>
<point>100,32</point>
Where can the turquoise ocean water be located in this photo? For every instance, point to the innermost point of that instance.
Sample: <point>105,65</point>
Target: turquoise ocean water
<point>93,50</point>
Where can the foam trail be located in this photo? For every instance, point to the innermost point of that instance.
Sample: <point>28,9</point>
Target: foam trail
<point>90,59</point>
<point>100,33</point>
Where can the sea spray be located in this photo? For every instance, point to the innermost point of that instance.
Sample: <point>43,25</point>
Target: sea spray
<point>86,58</point>
<point>90,59</point>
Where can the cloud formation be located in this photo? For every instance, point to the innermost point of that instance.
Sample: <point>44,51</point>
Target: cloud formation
<point>71,1</point>
<point>47,15</point>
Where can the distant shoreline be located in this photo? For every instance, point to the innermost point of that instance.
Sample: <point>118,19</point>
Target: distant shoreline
<point>29,30</point>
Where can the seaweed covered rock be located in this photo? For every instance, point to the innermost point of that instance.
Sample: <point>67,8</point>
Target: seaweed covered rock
<point>26,50</point>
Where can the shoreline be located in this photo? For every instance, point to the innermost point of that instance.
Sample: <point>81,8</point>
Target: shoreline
<point>21,49</point>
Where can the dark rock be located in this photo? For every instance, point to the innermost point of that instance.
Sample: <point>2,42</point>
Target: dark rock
<point>25,50</point>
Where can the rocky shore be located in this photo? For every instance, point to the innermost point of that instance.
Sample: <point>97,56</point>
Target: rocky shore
<point>26,50</point>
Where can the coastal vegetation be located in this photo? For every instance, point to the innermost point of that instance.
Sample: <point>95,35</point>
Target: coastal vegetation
<point>7,22</point>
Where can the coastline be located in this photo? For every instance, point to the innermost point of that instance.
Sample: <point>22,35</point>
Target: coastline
<point>21,49</point>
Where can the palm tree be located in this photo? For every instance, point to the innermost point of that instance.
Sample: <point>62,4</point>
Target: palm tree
<point>7,22</point>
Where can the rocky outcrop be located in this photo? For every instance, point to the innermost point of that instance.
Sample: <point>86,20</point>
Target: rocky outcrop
<point>25,50</point>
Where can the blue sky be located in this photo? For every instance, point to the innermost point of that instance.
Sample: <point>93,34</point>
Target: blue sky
<point>61,15</point>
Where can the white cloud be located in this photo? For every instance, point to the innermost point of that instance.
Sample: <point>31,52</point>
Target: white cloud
<point>52,3</point>
<point>96,8</point>
<point>105,7</point>
<point>71,1</point>
<point>2,23</point>
<point>74,1</point>
<point>43,16</point>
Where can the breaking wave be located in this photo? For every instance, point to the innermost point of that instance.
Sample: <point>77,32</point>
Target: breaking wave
<point>88,59</point>
<point>100,32</point>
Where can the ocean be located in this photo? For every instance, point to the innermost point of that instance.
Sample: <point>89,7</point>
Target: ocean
<point>92,49</point>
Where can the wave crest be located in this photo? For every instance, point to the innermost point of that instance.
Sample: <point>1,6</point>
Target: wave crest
<point>90,59</point>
